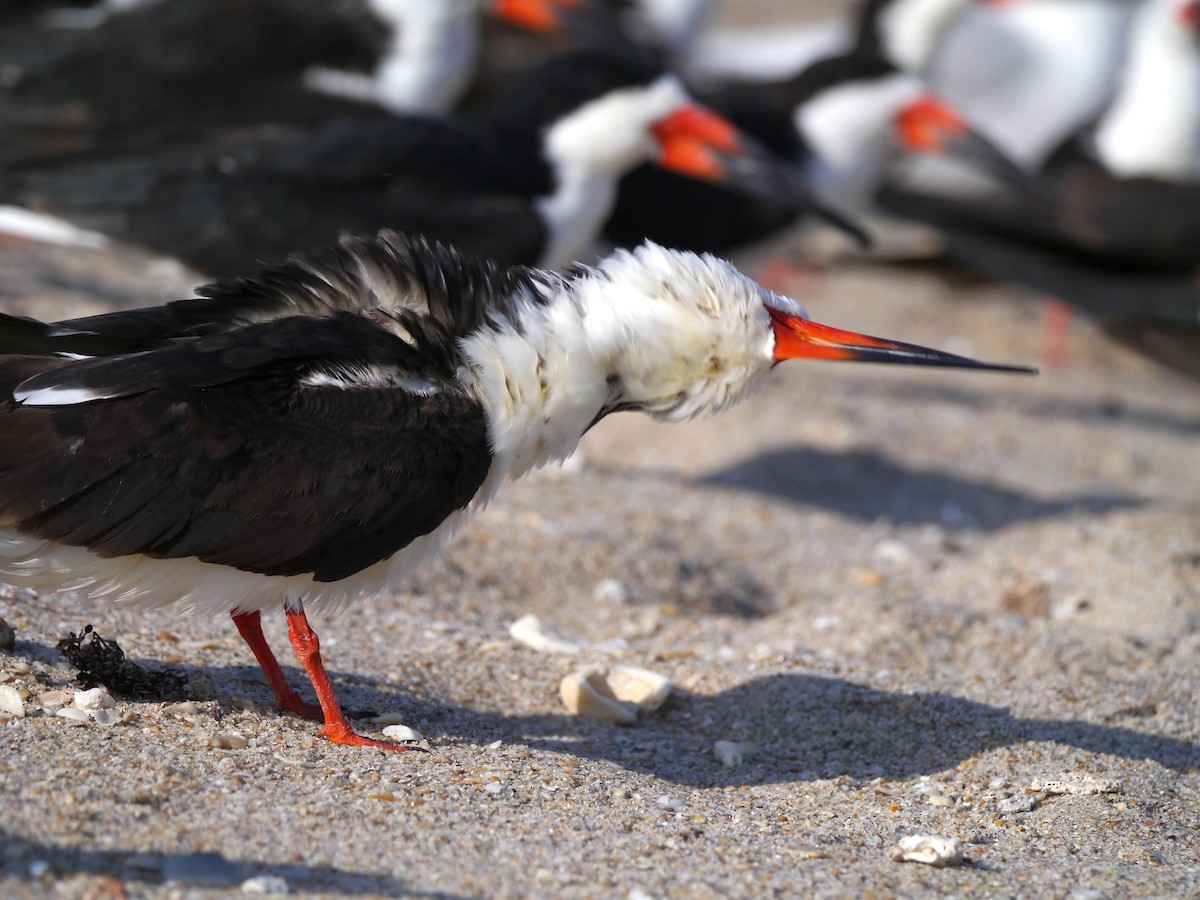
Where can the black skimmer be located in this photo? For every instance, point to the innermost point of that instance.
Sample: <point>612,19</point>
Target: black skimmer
<point>1029,73</point>
<point>839,122</point>
<point>183,69</point>
<point>1115,228</point>
<point>530,181</point>
<point>302,438</point>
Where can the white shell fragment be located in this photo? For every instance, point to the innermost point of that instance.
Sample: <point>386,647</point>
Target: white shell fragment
<point>1077,783</point>
<point>265,884</point>
<point>930,849</point>
<point>96,698</point>
<point>75,715</point>
<point>105,717</point>
<point>402,733</point>
<point>536,634</point>
<point>611,591</point>
<point>730,753</point>
<point>615,694</point>
<point>11,703</point>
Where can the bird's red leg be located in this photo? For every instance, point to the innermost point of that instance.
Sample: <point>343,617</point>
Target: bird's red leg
<point>308,651</point>
<point>249,626</point>
<point>1056,332</point>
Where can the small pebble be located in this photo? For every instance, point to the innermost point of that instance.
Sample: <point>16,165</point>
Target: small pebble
<point>537,635</point>
<point>868,578</point>
<point>96,698</point>
<point>997,784</point>
<point>186,709</point>
<point>228,741</point>
<point>930,849</point>
<point>1020,803</point>
<point>494,787</point>
<point>265,884</point>
<point>671,802</point>
<point>543,876</point>
<point>402,733</point>
<point>10,701</point>
<point>893,551</point>
<point>1086,894</point>
<point>940,800</point>
<point>75,715</point>
<point>610,591</point>
<point>808,851</point>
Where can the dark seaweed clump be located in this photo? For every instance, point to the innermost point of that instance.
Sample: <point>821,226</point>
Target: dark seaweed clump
<point>102,662</point>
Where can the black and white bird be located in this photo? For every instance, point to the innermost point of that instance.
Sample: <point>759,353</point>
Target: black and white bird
<point>530,181</point>
<point>839,122</point>
<point>1115,228</point>
<point>175,70</point>
<point>300,439</point>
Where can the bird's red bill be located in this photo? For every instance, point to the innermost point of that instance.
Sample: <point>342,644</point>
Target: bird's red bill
<point>692,141</point>
<point>798,338</point>
<point>534,15</point>
<point>926,124</point>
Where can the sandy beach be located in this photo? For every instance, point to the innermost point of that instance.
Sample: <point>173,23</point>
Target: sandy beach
<point>913,602</point>
<point>906,597</point>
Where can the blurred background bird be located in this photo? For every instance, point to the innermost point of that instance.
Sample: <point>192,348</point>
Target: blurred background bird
<point>1048,142</point>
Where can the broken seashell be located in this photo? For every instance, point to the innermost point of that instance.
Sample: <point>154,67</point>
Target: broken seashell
<point>616,694</point>
<point>105,717</point>
<point>53,699</point>
<point>75,715</point>
<point>11,703</point>
<point>96,698</point>
<point>1077,783</point>
<point>730,753</point>
<point>402,733</point>
<point>533,632</point>
<point>930,849</point>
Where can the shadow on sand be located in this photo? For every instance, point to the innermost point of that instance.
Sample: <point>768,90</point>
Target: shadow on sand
<point>866,485</point>
<point>201,870</point>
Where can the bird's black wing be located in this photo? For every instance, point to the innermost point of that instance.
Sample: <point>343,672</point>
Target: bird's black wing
<point>358,275</point>
<point>239,449</point>
<point>229,207</point>
<point>175,71</point>
<point>1134,224</point>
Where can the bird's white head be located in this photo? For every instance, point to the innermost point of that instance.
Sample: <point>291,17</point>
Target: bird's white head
<point>614,132</point>
<point>666,332</point>
<point>681,334</point>
<point>685,334</point>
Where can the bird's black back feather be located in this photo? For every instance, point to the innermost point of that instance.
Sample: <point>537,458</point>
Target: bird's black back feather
<point>216,432</point>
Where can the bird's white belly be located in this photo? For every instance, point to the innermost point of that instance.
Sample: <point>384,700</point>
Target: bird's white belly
<point>193,586</point>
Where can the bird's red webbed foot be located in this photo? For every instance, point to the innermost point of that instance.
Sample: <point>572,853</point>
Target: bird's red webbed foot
<point>342,733</point>
<point>308,651</point>
<point>249,626</point>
